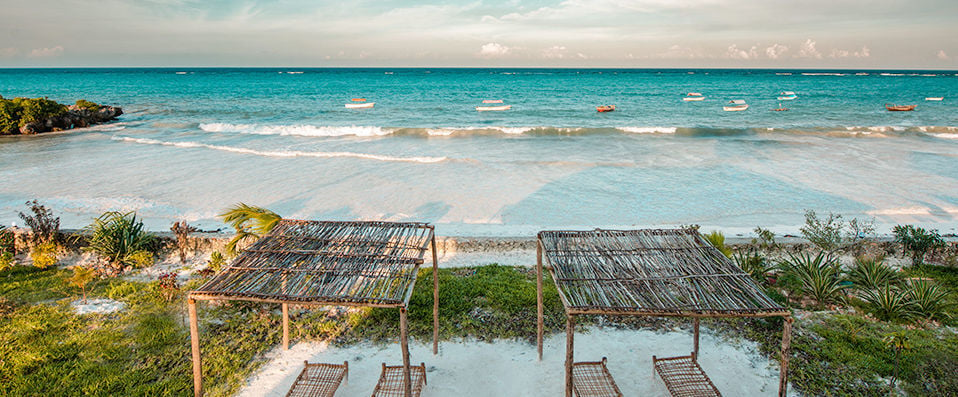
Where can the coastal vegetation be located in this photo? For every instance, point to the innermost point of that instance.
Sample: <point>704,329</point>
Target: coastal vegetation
<point>249,222</point>
<point>121,241</point>
<point>34,115</point>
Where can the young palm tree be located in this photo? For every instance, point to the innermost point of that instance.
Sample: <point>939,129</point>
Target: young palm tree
<point>898,341</point>
<point>250,223</point>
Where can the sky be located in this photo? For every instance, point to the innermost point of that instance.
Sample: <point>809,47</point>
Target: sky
<point>485,33</point>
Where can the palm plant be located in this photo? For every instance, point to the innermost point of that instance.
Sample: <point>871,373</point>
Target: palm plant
<point>929,300</point>
<point>889,303</point>
<point>753,264</point>
<point>820,276</point>
<point>250,223</point>
<point>898,341</point>
<point>871,273</point>
<point>121,239</point>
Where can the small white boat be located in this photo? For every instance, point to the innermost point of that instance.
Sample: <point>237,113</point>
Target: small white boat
<point>735,105</point>
<point>366,105</point>
<point>786,96</point>
<point>493,108</point>
<point>935,98</point>
<point>693,96</point>
<point>492,101</point>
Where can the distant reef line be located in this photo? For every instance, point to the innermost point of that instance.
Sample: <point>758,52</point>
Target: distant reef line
<point>26,116</point>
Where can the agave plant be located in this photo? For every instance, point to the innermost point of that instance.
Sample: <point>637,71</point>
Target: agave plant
<point>890,303</point>
<point>250,223</point>
<point>121,239</point>
<point>753,264</point>
<point>929,300</point>
<point>871,273</point>
<point>820,277</point>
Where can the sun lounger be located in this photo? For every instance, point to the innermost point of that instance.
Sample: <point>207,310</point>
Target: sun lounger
<point>684,377</point>
<point>391,380</point>
<point>319,380</point>
<point>592,379</point>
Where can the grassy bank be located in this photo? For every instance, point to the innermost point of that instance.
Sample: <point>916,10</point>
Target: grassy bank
<point>47,349</point>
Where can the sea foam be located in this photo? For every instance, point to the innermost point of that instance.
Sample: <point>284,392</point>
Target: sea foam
<point>296,129</point>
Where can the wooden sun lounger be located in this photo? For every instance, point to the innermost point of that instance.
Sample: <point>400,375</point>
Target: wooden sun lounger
<point>592,379</point>
<point>319,380</point>
<point>684,377</point>
<point>391,380</point>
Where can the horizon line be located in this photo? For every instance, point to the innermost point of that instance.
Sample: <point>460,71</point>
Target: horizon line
<point>471,67</point>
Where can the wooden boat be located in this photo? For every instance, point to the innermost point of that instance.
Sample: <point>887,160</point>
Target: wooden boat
<point>935,98</point>
<point>359,99</point>
<point>786,96</point>
<point>735,105</point>
<point>603,109</point>
<point>366,105</point>
<point>493,108</point>
<point>492,101</point>
<point>899,108</point>
<point>693,96</point>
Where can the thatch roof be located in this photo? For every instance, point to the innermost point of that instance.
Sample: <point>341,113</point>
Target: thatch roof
<point>673,272</point>
<point>337,263</point>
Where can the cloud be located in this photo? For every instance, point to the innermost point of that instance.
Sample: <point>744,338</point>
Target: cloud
<point>942,54</point>
<point>9,52</point>
<point>808,50</point>
<point>554,52</point>
<point>493,50</point>
<point>735,53</point>
<point>775,51</point>
<point>839,53</point>
<point>46,52</point>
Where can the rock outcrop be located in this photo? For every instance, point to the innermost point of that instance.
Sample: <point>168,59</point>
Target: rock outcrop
<point>75,117</point>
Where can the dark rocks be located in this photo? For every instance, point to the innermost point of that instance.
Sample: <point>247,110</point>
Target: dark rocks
<point>75,117</point>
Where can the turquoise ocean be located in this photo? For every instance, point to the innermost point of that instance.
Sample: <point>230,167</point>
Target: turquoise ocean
<point>194,141</point>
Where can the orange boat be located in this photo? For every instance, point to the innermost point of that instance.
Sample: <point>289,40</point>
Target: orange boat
<point>359,99</point>
<point>603,109</point>
<point>899,108</point>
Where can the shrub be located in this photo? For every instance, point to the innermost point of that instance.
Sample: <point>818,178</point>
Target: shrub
<point>9,117</point>
<point>250,223</point>
<point>182,231</point>
<point>871,273</point>
<point>765,239</point>
<point>820,277</point>
<point>929,300</point>
<point>43,225</point>
<point>917,241</point>
<point>7,261</point>
<point>121,240</point>
<point>718,241</point>
<point>169,286</point>
<point>7,241</point>
<point>753,264</point>
<point>44,255</point>
<point>38,109</point>
<point>85,104</point>
<point>889,303</point>
<point>216,261</point>
<point>831,233</point>
<point>82,276</point>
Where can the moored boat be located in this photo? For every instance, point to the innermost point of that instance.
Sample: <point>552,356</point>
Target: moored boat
<point>735,105</point>
<point>492,101</point>
<point>786,96</point>
<point>693,96</point>
<point>493,108</point>
<point>365,105</point>
<point>899,108</point>
<point>603,109</point>
<point>935,98</point>
<point>780,108</point>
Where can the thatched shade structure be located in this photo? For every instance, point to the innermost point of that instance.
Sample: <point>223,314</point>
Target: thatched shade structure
<point>664,272</point>
<point>326,264</point>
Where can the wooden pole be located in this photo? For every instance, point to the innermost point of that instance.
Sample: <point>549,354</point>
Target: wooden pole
<point>786,342</point>
<point>195,345</point>
<point>435,297</point>
<point>404,342</point>
<point>285,326</point>
<point>569,349</point>
<point>695,327</point>
<point>539,316</point>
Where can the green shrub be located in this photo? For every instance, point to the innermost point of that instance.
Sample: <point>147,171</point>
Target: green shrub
<point>82,276</point>
<point>832,233</point>
<point>765,239</point>
<point>7,261</point>
<point>44,255</point>
<point>216,262</point>
<point>820,277</point>
<point>871,273</point>
<point>9,117</point>
<point>917,241</point>
<point>121,240</point>
<point>718,241</point>
<point>85,104</point>
<point>929,300</point>
<point>38,109</point>
<point>753,264</point>
<point>44,227</point>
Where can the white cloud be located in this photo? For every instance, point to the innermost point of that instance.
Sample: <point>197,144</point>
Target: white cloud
<point>9,52</point>
<point>839,53</point>
<point>554,52</point>
<point>735,53</point>
<point>942,54</point>
<point>493,50</point>
<point>775,51</point>
<point>808,50</point>
<point>46,52</point>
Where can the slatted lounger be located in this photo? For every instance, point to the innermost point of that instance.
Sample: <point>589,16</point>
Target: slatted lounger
<point>684,377</point>
<point>319,380</point>
<point>391,380</point>
<point>592,379</point>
